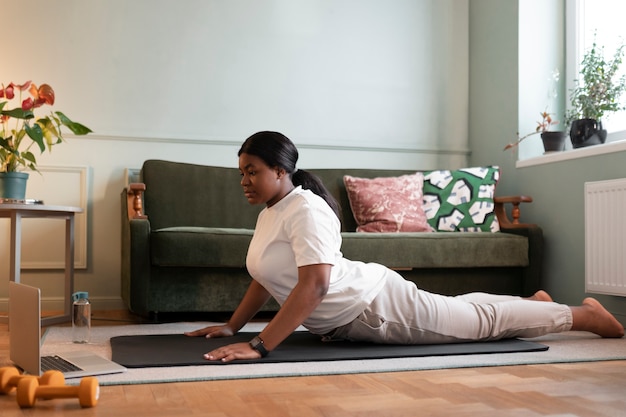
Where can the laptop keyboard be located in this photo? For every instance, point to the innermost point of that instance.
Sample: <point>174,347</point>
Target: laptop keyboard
<point>56,363</point>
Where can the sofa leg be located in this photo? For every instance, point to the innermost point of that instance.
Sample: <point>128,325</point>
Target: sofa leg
<point>153,316</point>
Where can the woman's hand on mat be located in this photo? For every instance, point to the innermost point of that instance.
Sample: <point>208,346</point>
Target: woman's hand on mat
<point>223,330</point>
<point>231,352</point>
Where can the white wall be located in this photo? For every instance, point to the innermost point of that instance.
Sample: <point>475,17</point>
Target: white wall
<point>358,83</point>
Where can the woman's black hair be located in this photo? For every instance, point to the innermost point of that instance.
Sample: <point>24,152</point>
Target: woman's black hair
<point>277,150</point>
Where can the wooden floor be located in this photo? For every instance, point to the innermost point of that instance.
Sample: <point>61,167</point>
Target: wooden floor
<point>585,389</point>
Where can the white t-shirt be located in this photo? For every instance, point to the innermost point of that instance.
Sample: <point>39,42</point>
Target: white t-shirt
<point>302,229</point>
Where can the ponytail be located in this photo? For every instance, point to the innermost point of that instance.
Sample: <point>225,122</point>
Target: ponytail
<point>309,181</point>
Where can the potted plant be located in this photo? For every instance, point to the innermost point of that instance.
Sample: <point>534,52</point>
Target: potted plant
<point>21,133</point>
<point>552,140</point>
<point>598,93</point>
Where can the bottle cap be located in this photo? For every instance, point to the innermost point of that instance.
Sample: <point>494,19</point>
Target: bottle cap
<point>80,295</point>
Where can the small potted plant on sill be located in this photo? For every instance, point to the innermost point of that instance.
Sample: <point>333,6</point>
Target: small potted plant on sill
<point>553,140</point>
<point>20,131</point>
<point>597,94</point>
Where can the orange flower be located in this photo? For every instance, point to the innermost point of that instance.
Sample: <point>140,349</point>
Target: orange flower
<point>46,93</point>
<point>42,95</point>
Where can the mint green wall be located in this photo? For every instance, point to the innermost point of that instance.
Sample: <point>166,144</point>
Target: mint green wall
<point>497,62</point>
<point>361,74</point>
<point>493,76</point>
<point>355,83</point>
<point>559,207</point>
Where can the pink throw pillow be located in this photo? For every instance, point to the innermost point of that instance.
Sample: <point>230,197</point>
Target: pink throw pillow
<point>387,204</point>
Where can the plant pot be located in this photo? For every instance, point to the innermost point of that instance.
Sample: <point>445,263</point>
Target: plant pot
<point>553,141</point>
<point>13,185</point>
<point>587,132</point>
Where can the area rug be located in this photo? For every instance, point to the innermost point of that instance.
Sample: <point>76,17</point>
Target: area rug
<point>563,348</point>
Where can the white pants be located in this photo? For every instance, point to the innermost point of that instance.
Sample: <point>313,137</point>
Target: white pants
<point>404,314</point>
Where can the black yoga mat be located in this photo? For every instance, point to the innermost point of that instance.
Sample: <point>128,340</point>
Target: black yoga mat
<point>179,350</point>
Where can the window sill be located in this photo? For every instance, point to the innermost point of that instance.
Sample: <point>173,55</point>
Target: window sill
<point>570,154</point>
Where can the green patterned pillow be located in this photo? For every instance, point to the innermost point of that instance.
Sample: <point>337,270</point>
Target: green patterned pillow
<point>461,200</point>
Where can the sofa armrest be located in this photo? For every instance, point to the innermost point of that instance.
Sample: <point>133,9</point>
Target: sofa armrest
<point>135,200</point>
<point>136,268</point>
<point>532,276</point>
<point>135,280</point>
<point>503,218</point>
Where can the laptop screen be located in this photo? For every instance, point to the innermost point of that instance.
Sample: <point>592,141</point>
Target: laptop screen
<point>25,327</point>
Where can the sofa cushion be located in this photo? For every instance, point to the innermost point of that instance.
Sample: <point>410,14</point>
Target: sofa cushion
<point>461,200</point>
<point>387,204</point>
<point>181,194</point>
<point>200,246</point>
<point>437,250</point>
<point>223,247</point>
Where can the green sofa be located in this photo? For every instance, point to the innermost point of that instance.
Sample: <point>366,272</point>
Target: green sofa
<point>186,230</point>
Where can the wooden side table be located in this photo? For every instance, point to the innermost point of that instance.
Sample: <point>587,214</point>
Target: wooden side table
<point>16,212</point>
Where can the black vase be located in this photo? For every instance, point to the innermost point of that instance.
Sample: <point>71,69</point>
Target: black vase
<point>587,132</point>
<point>553,141</point>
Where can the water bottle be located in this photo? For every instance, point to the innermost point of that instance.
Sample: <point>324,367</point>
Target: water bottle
<point>81,317</point>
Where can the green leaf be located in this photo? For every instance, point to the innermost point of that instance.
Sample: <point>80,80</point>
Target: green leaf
<point>76,128</point>
<point>18,113</point>
<point>49,130</point>
<point>29,157</point>
<point>4,143</point>
<point>36,135</point>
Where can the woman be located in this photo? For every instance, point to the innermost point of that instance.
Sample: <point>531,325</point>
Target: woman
<point>295,257</point>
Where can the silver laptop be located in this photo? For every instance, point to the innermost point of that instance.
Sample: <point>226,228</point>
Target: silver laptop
<point>25,341</point>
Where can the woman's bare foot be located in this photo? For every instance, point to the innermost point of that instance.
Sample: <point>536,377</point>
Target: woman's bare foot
<point>540,295</point>
<point>591,316</point>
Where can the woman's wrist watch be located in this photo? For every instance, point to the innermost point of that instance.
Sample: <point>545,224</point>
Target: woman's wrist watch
<point>257,344</point>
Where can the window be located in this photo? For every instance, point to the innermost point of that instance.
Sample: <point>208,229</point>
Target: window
<point>604,20</point>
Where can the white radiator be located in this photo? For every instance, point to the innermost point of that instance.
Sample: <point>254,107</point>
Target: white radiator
<point>605,237</point>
